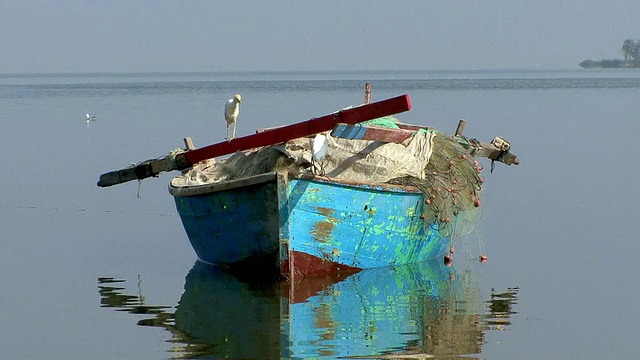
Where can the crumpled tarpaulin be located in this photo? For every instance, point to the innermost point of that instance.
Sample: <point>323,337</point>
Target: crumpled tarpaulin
<point>357,160</point>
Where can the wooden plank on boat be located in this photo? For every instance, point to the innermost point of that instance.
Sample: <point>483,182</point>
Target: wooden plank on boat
<point>371,132</point>
<point>313,126</point>
<point>310,127</point>
<point>461,124</point>
<point>139,171</point>
<point>413,127</point>
<point>477,148</point>
<point>221,186</point>
<point>482,149</point>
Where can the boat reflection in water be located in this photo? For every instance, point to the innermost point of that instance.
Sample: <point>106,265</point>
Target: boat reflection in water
<point>411,311</point>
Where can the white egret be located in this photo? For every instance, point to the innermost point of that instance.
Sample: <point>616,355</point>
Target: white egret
<point>231,110</point>
<point>319,150</point>
<point>90,118</point>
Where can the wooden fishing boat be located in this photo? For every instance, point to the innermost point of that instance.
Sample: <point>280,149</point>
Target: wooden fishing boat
<point>306,226</point>
<point>296,224</point>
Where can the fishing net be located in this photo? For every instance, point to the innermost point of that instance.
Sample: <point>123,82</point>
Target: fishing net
<point>451,186</point>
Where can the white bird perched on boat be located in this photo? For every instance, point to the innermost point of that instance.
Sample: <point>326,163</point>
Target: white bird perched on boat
<point>319,150</point>
<point>90,118</point>
<point>231,110</point>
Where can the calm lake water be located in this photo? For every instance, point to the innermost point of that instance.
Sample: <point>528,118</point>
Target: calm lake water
<point>109,273</point>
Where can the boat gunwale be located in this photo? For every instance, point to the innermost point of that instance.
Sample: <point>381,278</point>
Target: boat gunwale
<point>203,189</point>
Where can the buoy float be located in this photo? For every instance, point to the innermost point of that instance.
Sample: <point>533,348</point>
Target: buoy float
<point>483,258</point>
<point>448,259</point>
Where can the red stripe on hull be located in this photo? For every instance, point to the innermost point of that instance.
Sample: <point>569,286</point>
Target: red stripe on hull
<point>300,265</point>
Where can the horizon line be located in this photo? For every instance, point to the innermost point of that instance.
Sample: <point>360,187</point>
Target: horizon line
<point>241,72</point>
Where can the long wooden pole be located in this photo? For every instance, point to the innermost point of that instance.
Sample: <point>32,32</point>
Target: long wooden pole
<point>367,93</point>
<point>313,126</point>
<point>310,127</point>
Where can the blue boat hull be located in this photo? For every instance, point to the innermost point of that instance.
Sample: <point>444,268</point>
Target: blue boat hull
<point>306,226</point>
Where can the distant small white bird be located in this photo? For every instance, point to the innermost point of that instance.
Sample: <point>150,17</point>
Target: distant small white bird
<point>231,110</point>
<point>319,150</point>
<point>91,118</point>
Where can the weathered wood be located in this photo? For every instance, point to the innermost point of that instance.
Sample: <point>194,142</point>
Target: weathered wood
<point>461,124</point>
<point>188,158</point>
<point>221,186</point>
<point>482,149</point>
<point>140,171</point>
<point>367,93</point>
<point>188,143</point>
<point>370,132</point>
<point>291,237</point>
<point>413,127</point>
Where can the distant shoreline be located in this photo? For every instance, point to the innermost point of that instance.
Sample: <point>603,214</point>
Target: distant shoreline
<point>610,64</point>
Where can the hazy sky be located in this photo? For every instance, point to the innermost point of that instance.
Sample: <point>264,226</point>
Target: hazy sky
<point>254,35</point>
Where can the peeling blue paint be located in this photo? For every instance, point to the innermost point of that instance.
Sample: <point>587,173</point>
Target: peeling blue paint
<point>361,226</point>
<point>380,232</point>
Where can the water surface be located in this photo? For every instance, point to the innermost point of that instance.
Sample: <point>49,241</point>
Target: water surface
<point>109,273</point>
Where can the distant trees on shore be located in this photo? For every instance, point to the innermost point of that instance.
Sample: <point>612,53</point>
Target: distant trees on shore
<point>631,50</point>
<point>631,57</point>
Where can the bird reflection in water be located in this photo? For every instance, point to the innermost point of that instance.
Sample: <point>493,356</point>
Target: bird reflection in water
<point>412,311</point>
<point>111,296</point>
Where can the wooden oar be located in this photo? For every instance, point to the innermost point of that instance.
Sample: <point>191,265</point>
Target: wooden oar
<point>313,126</point>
